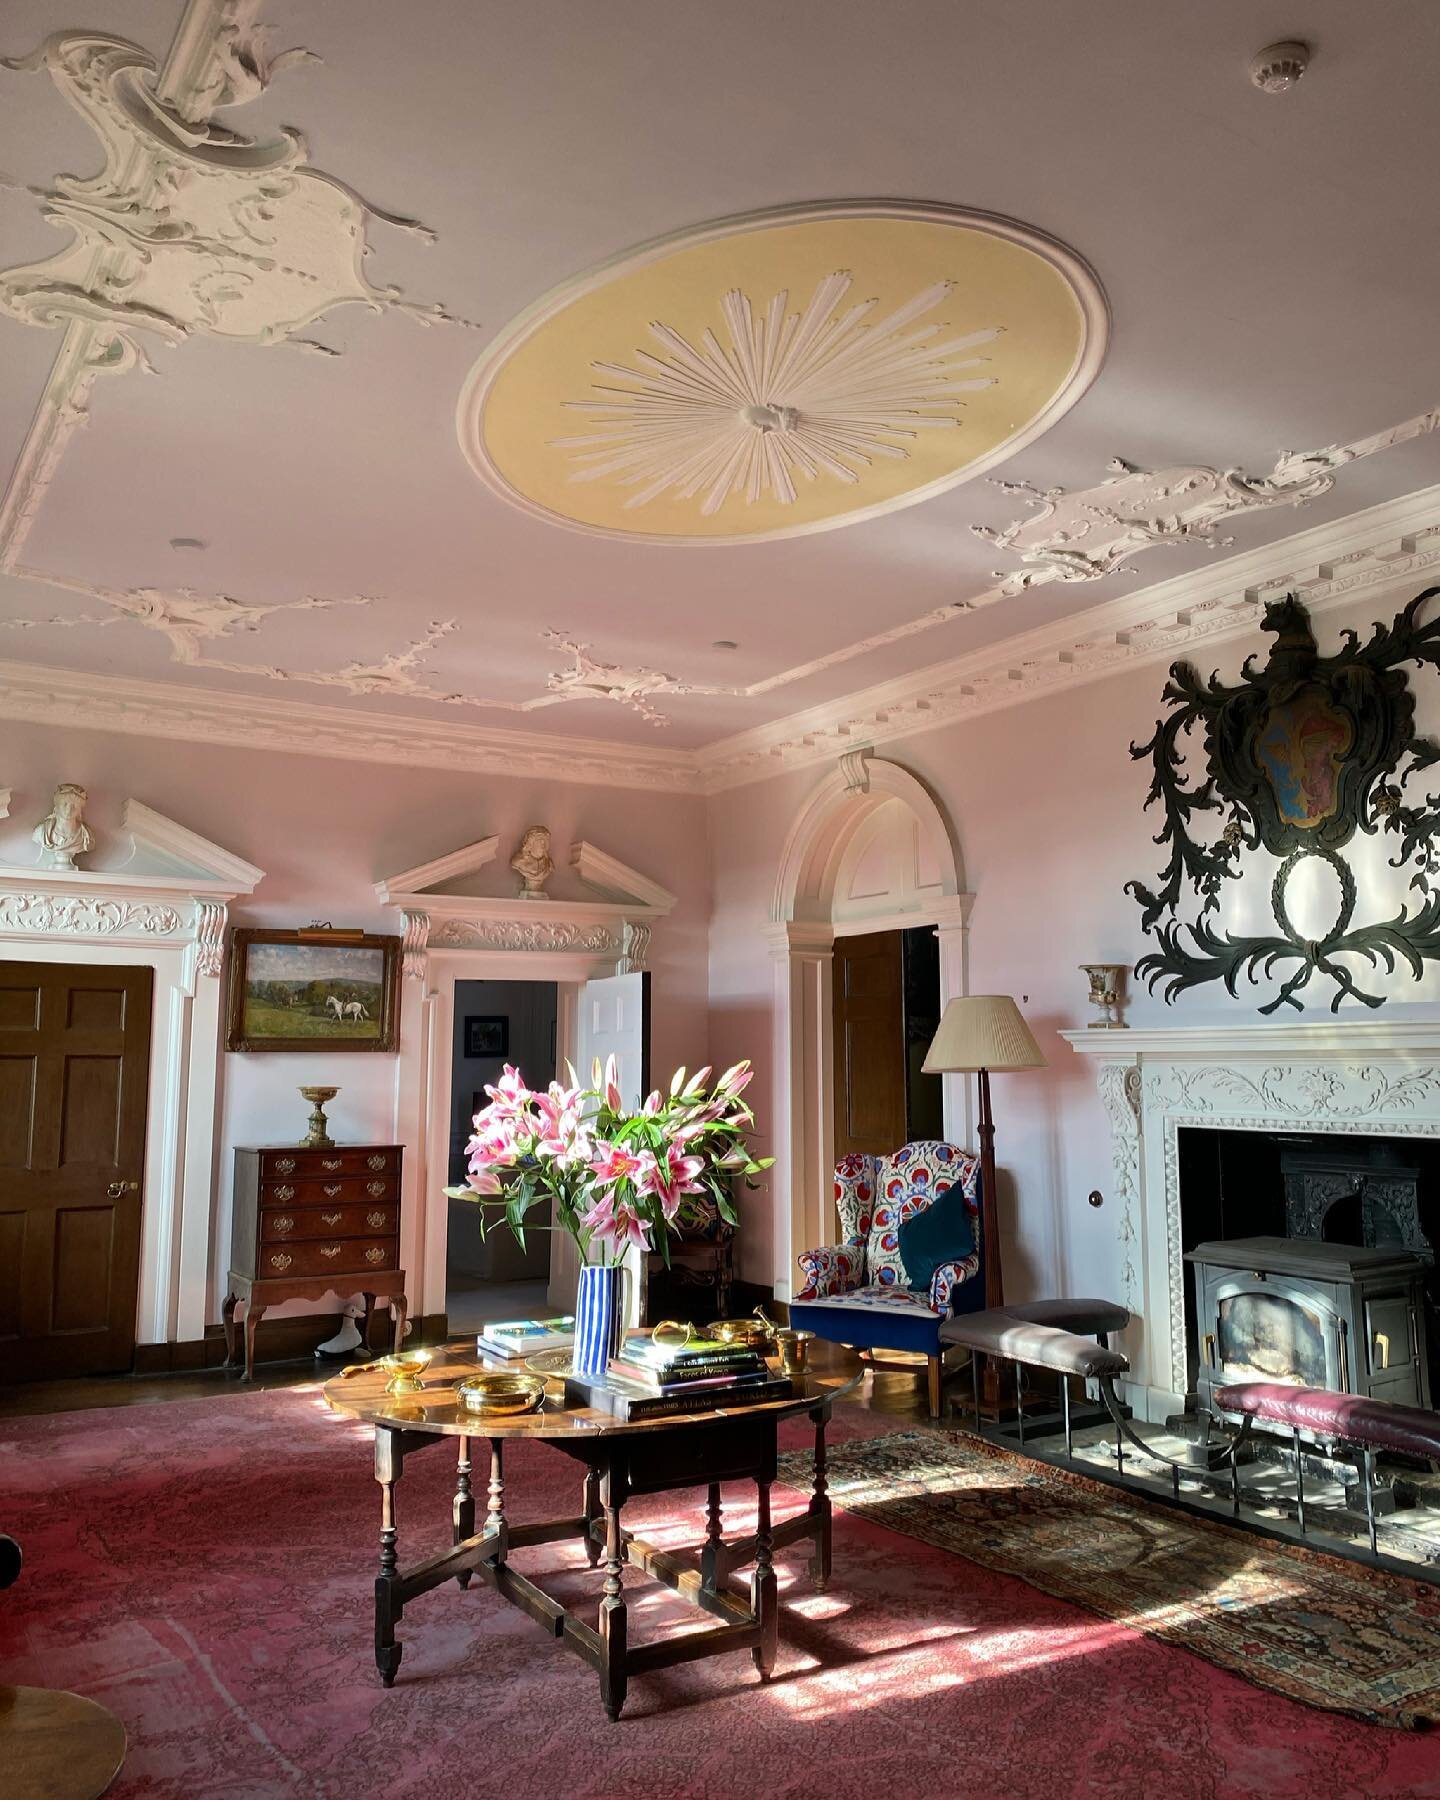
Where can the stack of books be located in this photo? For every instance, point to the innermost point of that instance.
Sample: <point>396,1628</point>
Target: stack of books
<point>649,1380</point>
<point>512,1338</point>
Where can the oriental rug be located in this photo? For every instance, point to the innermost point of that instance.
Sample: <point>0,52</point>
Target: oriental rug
<point>205,1568</point>
<point>1325,1631</point>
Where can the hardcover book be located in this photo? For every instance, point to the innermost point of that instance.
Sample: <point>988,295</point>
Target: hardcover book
<point>631,1402</point>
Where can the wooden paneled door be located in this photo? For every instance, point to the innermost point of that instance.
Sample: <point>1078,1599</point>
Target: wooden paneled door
<point>74,1073</point>
<point>869,1044</point>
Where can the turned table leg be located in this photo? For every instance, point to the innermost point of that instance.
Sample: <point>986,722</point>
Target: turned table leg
<point>612,1603</point>
<point>399,1307</point>
<point>495,1506</point>
<point>389,1465</point>
<point>714,1543</point>
<point>820,1513</point>
<point>590,1511</point>
<point>227,1318</point>
<point>463,1509</point>
<point>764,1598</point>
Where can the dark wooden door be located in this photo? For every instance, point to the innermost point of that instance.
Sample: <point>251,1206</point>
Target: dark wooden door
<point>74,1071</point>
<point>869,1044</point>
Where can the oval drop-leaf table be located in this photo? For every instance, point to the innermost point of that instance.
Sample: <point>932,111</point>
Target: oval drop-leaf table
<point>621,1458</point>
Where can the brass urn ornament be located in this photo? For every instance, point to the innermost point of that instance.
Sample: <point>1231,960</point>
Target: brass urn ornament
<point>319,1137</point>
<point>1104,981</point>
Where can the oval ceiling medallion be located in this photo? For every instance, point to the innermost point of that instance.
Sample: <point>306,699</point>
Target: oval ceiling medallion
<point>784,372</point>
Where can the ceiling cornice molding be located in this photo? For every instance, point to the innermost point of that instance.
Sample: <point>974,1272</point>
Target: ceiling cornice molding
<point>1328,565</point>
<point>74,700</point>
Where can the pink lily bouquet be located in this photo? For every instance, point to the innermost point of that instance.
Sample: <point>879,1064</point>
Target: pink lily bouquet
<point>613,1176</point>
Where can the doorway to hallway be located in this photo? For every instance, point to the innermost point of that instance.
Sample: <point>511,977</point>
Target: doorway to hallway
<point>495,1023</point>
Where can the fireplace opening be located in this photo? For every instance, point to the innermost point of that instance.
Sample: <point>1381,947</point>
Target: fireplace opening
<point>1380,1193</point>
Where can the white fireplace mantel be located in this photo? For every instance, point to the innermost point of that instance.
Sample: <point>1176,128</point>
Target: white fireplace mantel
<point>1374,1077</point>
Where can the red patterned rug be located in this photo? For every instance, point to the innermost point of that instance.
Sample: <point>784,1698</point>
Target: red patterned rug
<point>1322,1629</point>
<point>203,1568</point>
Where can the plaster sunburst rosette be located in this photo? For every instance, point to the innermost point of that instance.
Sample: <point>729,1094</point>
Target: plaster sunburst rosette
<point>784,372</point>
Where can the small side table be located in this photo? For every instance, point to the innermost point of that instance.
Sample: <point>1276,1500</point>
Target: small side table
<point>262,1294</point>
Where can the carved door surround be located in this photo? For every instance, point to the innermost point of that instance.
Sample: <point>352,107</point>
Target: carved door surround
<point>449,937</point>
<point>1361,1078</point>
<point>171,920</point>
<point>833,836</point>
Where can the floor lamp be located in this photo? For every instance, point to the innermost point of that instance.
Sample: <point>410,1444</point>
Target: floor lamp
<point>981,1035</point>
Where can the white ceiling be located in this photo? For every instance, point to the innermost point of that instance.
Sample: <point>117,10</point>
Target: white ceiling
<point>1271,265</point>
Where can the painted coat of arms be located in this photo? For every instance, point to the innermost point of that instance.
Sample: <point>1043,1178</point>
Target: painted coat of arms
<point>1300,756</point>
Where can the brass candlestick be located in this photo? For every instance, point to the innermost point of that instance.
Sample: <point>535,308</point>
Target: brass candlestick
<point>319,1137</point>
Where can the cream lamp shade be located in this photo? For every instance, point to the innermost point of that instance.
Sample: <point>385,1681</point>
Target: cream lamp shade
<point>982,1031</point>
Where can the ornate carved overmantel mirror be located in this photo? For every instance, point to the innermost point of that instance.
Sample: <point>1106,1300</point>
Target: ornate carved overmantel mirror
<point>1305,759</point>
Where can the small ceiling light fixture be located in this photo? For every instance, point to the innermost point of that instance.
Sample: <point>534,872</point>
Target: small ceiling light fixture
<point>724,644</point>
<point>184,543</point>
<point>1276,68</point>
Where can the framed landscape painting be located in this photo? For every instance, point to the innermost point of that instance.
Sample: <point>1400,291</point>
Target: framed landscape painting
<point>312,990</point>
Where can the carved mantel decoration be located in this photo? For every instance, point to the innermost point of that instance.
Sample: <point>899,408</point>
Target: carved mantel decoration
<point>1359,1078</point>
<point>1300,756</point>
<point>613,933</point>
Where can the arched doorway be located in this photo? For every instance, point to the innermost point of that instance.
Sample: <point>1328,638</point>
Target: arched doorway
<point>871,850</point>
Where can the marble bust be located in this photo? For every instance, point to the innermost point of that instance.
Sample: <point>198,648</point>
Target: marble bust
<point>532,863</point>
<point>63,834</point>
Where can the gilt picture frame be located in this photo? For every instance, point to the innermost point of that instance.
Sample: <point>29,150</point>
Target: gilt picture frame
<point>312,990</point>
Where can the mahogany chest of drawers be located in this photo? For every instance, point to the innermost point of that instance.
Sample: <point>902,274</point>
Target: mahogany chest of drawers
<point>307,1223</point>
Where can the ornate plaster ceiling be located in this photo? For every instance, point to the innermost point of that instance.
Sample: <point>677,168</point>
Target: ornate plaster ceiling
<point>217,245</point>
<point>782,373</point>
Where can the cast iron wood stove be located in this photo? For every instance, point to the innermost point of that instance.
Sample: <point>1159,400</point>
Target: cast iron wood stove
<point>1340,1316</point>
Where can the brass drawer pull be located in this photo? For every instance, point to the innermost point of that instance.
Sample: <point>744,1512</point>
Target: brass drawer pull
<point>374,1254</point>
<point>279,1260</point>
<point>283,1224</point>
<point>375,1220</point>
<point>284,1193</point>
<point>284,1165</point>
<point>375,1189</point>
<point>330,1162</point>
<point>329,1249</point>
<point>332,1188</point>
<point>374,1162</point>
<point>331,1218</point>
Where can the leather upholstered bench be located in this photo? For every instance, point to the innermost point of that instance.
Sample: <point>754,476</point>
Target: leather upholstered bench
<point>1045,1334</point>
<point>1352,1420</point>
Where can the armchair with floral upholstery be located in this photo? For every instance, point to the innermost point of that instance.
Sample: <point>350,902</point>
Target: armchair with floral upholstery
<point>856,1292</point>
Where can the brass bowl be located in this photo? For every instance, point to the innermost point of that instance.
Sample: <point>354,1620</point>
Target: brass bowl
<point>748,1333</point>
<point>413,1363</point>
<point>497,1393</point>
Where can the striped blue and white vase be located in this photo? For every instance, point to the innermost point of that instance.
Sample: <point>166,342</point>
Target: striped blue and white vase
<point>599,1318</point>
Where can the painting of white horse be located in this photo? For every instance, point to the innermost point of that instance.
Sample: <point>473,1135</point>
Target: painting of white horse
<point>298,991</point>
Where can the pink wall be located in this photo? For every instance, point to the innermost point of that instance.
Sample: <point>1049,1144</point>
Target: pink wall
<point>1046,805</point>
<point>324,831</point>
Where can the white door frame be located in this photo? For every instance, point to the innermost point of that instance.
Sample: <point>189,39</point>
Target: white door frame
<point>174,925</point>
<point>423,1078</point>
<point>802,938</point>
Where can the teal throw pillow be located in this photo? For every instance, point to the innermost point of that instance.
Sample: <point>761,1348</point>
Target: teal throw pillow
<point>942,1233</point>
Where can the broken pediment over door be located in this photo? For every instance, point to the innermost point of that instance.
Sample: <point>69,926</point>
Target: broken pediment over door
<point>481,897</point>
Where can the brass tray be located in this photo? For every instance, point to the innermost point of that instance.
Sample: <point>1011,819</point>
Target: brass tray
<point>497,1393</point>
